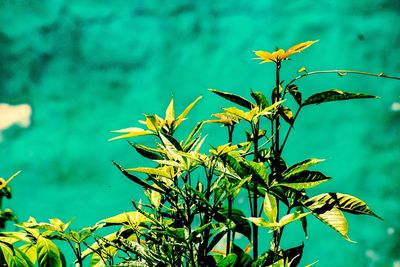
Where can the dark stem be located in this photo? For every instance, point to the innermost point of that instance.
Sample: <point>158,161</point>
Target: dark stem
<point>290,129</point>
<point>230,199</point>
<point>255,195</point>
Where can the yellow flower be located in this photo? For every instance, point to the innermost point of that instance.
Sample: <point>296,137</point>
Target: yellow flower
<point>280,55</point>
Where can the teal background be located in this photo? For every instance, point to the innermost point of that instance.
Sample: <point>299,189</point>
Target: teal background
<point>88,67</point>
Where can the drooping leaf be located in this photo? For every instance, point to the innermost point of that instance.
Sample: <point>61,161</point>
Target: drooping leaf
<point>137,180</point>
<point>303,220</point>
<point>298,167</point>
<point>286,114</point>
<point>334,95</point>
<point>304,179</point>
<point>344,202</point>
<point>48,254</point>
<point>293,90</point>
<point>260,99</point>
<point>130,132</point>
<point>332,217</point>
<point>237,99</point>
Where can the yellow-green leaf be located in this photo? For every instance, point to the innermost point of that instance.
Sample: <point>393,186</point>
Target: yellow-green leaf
<point>170,113</point>
<point>270,207</point>
<point>48,254</point>
<point>182,116</point>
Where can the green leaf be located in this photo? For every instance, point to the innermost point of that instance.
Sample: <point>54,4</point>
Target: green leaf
<point>146,152</point>
<point>48,254</point>
<point>237,99</point>
<point>334,95</point>
<point>344,202</point>
<point>304,179</point>
<point>137,180</point>
<point>293,255</point>
<point>193,133</point>
<point>228,261</point>
<point>303,221</point>
<point>13,257</point>
<point>260,99</point>
<point>270,207</point>
<point>298,167</point>
<point>237,216</point>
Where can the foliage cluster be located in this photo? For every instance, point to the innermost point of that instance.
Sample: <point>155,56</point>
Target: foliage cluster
<point>191,216</point>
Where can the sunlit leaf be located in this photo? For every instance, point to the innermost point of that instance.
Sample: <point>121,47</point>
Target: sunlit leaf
<point>30,251</point>
<point>127,218</point>
<point>238,113</point>
<point>182,116</point>
<point>151,171</point>
<point>334,95</point>
<point>304,179</point>
<point>332,217</point>
<point>298,167</point>
<point>130,132</point>
<point>270,207</point>
<point>344,202</point>
<point>261,222</point>
<point>170,113</point>
<point>292,217</point>
<point>48,254</point>
<point>234,98</point>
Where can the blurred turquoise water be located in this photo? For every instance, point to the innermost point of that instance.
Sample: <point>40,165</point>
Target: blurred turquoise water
<point>87,67</point>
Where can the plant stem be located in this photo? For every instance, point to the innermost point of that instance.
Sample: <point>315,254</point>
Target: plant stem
<point>290,129</point>
<point>255,189</point>
<point>344,72</point>
<point>230,199</point>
